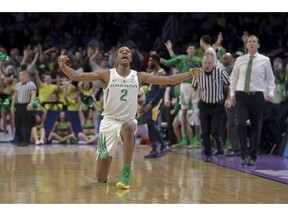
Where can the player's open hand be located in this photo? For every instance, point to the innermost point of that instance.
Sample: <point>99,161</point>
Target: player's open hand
<point>196,71</point>
<point>169,45</point>
<point>245,37</point>
<point>62,60</point>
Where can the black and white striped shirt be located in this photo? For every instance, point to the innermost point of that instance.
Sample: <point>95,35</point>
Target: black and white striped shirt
<point>23,92</point>
<point>211,85</point>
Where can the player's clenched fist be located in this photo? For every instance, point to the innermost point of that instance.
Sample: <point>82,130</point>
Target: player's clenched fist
<point>196,71</point>
<point>62,60</point>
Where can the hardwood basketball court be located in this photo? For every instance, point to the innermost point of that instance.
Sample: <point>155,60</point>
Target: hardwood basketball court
<point>62,174</point>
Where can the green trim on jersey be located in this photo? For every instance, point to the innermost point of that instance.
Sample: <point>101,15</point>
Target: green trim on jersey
<point>102,148</point>
<point>107,94</point>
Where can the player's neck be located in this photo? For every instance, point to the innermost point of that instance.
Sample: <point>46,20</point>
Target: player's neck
<point>123,70</point>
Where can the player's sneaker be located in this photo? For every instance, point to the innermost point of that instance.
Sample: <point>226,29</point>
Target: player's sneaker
<point>182,143</point>
<point>228,144</point>
<point>124,181</point>
<point>152,154</point>
<point>163,151</point>
<point>195,143</point>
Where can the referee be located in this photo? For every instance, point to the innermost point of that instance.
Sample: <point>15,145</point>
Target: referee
<point>25,93</point>
<point>211,105</point>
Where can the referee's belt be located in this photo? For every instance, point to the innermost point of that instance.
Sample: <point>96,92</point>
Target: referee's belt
<point>250,93</point>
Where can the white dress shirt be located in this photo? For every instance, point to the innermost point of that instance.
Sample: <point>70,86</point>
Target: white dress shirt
<point>262,76</point>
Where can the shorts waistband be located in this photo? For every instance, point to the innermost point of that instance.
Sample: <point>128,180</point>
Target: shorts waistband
<point>117,119</point>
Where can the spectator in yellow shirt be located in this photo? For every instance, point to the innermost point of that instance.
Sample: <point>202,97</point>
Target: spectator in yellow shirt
<point>85,88</point>
<point>46,88</point>
<point>53,104</point>
<point>72,103</point>
<point>66,85</point>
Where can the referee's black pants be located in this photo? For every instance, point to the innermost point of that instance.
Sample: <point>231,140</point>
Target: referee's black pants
<point>249,106</point>
<point>23,124</point>
<point>211,121</point>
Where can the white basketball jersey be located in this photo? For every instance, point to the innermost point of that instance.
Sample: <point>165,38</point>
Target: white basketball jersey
<point>121,96</point>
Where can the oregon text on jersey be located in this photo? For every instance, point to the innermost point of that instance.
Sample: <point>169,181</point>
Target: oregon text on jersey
<point>124,85</point>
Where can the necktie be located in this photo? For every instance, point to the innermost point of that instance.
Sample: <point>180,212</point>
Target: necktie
<point>248,75</point>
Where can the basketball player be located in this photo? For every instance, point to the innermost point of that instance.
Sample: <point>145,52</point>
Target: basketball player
<point>120,86</point>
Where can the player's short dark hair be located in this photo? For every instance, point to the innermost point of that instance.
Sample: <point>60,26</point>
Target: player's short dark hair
<point>189,44</point>
<point>155,57</point>
<point>207,39</point>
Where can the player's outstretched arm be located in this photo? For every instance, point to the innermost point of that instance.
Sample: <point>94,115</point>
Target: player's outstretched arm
<point>85,77</point>
<point>166,80</point>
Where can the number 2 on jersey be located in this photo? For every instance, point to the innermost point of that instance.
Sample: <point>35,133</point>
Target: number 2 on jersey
<point>124,94</point>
